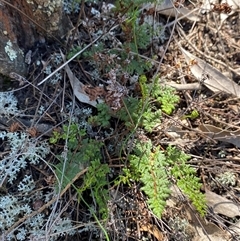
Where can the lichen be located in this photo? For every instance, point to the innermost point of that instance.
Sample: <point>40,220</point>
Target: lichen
<point>50,7</point>
<point>47,7</point>
<point>12,54</point>
<point>30,2</point>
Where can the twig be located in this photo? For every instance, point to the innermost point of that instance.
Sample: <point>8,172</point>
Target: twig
<point>191,86</point>
<point>78,53</point>
<point>181,33</point>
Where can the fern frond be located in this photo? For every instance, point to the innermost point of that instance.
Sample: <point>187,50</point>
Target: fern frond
<point>187,179</point>
<point>150,168</point>
<point>153,167</point>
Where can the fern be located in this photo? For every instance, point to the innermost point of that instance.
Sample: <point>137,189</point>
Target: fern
<point>144,88</point>
<point>82,153</point>
<point>123,6</point>
<point>164,95</point>
<point>168,100</point>
<point>142,35</point>
<point>79,157</point>
<point>186,177</point>
<point>153,169</point>
<point>151,118</point>
<point>95,180</point>
<point>134,65</point>
<point>150,169</point>
<point>103,117</point>
<point>136,35</point>
<point>73,51</point>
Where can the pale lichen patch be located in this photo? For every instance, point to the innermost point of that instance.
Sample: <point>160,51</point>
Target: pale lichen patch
<point>12,54</point>
<point>30,2</point>
<point>48,7</point>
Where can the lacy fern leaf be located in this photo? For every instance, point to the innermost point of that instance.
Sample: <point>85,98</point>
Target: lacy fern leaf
<point>150,168</point>
<point>186,178</point>
<point>154,167</point>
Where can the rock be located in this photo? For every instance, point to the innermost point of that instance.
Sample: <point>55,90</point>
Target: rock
<point>23,23</point>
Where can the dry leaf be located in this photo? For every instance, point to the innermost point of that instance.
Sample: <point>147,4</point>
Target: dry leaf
<point>235,228</point>
<point>216,233</point>
<point>234,4</point>
<point>200,227</point>
<point>153,229</point>
<point>222,205</point>
<point>78,88</point>
<point>167,8</point>
<point>219,134</point>
<point>210,76</point>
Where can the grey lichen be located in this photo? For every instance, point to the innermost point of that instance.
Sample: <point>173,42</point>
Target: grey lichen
<point>48,7</point>
<point>12,54</point>
<point>227,179</point>
<point>30,2</point>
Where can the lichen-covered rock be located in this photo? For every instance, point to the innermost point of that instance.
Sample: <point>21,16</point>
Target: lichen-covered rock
<point>49,14</point>
<point>12,57</point>
<point>23,23</point>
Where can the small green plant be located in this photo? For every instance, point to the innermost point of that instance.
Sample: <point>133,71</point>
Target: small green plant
<point>96,181</point>
<point>130,112</point>
<point>135,36</point>
<point>145,112</point>
<point>72,134</point>
<point>73,51</point>
<point>82,153</point>
<point>165,96</point>
<point>167,99</point>
<point>155,99</point>
<point>193,115</point>
<point>102,118</point>
<point>149,168</point>
<point>150,118</point>
<point>153,168</point>
<point>186,178</point>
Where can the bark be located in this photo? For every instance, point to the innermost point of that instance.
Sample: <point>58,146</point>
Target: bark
<point>24,22</point>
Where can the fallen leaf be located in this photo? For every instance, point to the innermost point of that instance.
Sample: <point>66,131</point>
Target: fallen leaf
<point>200,227</point>
<point>153,229</point>
<point>219,134</point>
<point>167,8</point>
<point>235,228</point>
<point>221,205</point>
<point>78,87</point>
<point>210,76</point>
<point>217,234</point>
